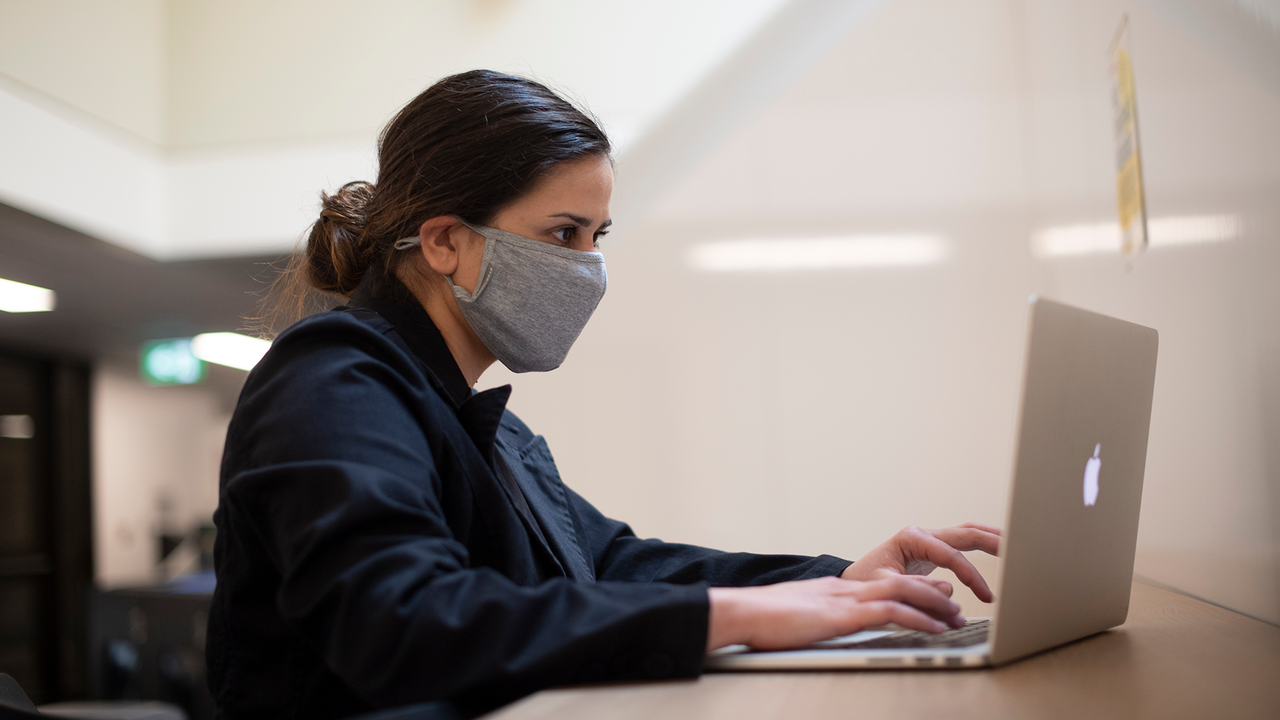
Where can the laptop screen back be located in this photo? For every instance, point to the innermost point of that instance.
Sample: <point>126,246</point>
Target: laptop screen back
<point>1072,520</point>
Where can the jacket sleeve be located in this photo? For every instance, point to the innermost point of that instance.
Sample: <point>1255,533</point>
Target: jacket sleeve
<point>621,556</point>
<point>334,481</point>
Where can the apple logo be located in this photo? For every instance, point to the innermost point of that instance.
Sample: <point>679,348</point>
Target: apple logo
<point>1091,469</point>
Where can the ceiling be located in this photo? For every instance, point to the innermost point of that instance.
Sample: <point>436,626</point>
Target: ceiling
<point>111,300</point>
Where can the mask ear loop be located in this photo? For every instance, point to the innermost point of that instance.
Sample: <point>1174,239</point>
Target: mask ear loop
<point>405,243</point>
<point>412,241</point>
<point>458,292</point>
<point>485,273</point>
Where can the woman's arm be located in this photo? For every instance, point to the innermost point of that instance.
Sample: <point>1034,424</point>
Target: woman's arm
<point>801,602</point>
<point>371,579</point>
<point>619,555</point>
<point>793,614</point>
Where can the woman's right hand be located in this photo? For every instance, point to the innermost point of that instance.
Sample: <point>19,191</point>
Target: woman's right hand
<point>793,614</point>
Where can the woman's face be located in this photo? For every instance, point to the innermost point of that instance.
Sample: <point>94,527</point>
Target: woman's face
<point>569,207</point>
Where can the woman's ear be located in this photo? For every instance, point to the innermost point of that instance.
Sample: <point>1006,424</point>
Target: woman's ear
<point>439,246</point>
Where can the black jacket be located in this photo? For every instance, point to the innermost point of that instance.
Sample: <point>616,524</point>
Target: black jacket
<point>388,537</point>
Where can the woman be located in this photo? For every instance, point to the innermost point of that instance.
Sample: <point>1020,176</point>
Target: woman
<point>387,536</point>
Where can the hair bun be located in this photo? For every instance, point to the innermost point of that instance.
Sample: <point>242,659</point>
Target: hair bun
<point>346,210</point>
<point>338,249</point>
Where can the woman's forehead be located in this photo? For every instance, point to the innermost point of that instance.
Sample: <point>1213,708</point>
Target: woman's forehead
<point>577,190</point>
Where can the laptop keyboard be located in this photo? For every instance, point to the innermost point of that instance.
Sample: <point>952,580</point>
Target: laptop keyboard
<point>973,633</point>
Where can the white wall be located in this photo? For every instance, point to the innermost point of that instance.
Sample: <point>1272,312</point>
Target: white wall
<point>102,60</point>
<point>150,124</point>
<point>1211,506</point>
<point>821,411</point>
<point>150,445</point>
<point>252,72</point>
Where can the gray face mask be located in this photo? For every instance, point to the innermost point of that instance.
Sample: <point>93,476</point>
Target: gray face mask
<point>532,298</point>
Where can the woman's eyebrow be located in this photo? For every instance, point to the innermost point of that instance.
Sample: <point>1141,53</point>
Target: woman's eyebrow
<point>584,222</point>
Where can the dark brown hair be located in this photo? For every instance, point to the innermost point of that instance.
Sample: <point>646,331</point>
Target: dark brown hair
<point>467,146</point>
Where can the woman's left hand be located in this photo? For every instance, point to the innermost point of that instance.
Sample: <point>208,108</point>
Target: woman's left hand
<point>916,551</point>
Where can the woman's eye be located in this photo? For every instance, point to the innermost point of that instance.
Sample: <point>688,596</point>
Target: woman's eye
<point>564,235</point>
<point>595,241</point>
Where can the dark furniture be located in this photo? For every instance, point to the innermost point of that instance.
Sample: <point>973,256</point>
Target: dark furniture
<point>148,644</point>
<point>46,555</point>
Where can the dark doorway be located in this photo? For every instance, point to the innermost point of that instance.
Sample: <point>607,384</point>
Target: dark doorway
<point>46,562</point>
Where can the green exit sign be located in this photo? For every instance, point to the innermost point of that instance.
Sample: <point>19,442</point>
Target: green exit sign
<point>170,362</point>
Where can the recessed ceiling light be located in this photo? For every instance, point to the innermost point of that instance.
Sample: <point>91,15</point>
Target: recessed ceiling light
<point>16,297</point>
<point>230,349</point>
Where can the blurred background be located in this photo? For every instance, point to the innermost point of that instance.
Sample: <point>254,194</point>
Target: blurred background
<point>931,163</point>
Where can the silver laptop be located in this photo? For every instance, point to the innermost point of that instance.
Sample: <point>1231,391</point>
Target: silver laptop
<point>1071,523</point>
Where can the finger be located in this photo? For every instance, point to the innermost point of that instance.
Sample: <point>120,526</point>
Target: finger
<point>966,539</point>
<point>985,528</point>
<point>942,586</point>
<point>883,612</point>
<point>945,588</point>
<point>890,574</point>
<point>904,589</point>
<point>945,555</point>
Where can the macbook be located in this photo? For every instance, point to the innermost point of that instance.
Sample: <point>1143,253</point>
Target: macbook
<point>1071,523</point>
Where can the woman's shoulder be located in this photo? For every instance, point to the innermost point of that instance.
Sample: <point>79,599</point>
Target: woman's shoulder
<point>336,353</point>
<point>339,326</point>
<point>325,385</point>
<point>342,334</point>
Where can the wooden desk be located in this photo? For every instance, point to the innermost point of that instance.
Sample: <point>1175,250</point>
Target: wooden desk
<point>1176,657</point>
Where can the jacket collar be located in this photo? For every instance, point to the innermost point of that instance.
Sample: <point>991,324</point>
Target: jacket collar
<point>384,294</point>
<point>479,412</point>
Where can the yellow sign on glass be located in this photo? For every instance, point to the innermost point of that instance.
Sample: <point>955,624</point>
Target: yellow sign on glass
<point>1130,199</point>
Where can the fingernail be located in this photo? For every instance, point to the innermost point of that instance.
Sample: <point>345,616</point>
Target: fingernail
<point>955,607</point>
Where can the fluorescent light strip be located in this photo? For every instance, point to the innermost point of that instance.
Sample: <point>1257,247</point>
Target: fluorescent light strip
<point>818,253</point>
<point>1194,229</point>
<point>1096,238</point>
<point>230,349</point>
<point>16,297</point>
